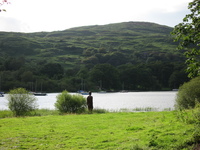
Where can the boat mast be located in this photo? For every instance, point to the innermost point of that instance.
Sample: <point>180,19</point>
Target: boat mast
<point>0,83</point>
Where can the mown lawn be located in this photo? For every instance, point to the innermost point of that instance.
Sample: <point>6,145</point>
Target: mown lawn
<point>119,130</point>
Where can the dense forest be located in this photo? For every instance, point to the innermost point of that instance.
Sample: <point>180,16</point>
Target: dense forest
<point>134,56</point>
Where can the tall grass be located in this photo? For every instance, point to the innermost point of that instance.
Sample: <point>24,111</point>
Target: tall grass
<point>46,112</point>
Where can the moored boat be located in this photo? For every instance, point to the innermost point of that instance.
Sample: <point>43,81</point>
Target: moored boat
<point>40,94</point>
<point>1,94</point>
<point>83,92</point>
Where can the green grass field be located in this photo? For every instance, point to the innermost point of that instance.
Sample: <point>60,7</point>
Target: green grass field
<point>119,130</point>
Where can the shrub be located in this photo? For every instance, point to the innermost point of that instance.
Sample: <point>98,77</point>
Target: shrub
<point>67,103</point>
<point>20,101</point>
<point>188,94</point>
<point>191,116</point>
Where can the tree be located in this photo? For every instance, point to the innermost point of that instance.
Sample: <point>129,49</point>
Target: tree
<point>188,35</point>
<point>27,76</point>
<point>14,63</point>
<point>177,78</point>
<point>91,60</point>
<point>117,58</point>
<point>105,75</point>
<point>20,101</point>
<point>53,70</point>
<point>128,76</point>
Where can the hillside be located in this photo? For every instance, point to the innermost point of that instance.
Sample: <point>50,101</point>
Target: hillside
<point>67,45</point>
<point>116,44</point>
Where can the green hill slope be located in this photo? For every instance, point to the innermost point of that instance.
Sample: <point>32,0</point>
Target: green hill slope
<point>128,37</point>
<point>117,44</point>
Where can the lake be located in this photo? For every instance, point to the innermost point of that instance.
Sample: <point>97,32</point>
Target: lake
<point>114,101</point>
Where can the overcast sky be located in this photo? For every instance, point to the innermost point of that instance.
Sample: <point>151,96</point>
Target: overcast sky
<point>54,15</point>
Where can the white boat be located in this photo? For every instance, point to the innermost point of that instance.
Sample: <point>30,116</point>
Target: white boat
<point>83,92</point>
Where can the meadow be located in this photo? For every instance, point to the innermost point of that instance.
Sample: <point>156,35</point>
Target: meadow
<point>117,130</point>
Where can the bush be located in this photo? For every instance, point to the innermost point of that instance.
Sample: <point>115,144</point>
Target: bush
<point>188,94</point>
<point>191,116</point>
<point>20,101</point>
<point>67,103</point>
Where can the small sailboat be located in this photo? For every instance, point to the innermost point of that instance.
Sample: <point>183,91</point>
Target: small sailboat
<point>123,91</point>
<point>1,93</point>
<point>83,92</point>
<point>83,87</point>
<point>39,93</point>
<point>100,88</point>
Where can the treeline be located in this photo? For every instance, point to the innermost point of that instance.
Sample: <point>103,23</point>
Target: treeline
<point>124,56</point>
<point>52,77</point>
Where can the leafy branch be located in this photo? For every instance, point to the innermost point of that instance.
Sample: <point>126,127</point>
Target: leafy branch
<point>188,35</point>
<point>2,3</point>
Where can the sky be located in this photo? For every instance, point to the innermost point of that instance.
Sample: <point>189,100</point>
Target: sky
<point>56,15</point>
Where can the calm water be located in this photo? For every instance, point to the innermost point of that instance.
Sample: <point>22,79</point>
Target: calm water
<point>114,101</point>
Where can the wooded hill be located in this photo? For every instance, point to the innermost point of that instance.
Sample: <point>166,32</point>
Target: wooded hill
<point>129,56</point>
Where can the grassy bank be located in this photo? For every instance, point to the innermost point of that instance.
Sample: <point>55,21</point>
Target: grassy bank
<point>122,130</point>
